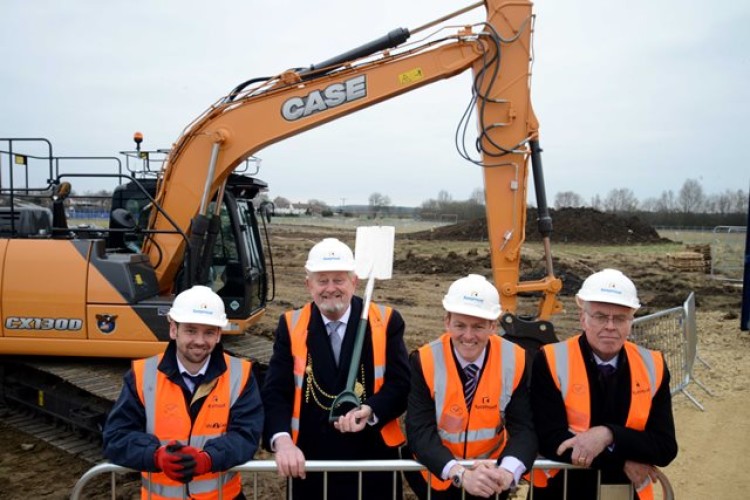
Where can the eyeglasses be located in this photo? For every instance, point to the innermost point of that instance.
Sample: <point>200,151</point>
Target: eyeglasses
<point>599,319</point>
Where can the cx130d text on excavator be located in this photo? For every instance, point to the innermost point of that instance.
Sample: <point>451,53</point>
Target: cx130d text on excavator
<point>107,300</point>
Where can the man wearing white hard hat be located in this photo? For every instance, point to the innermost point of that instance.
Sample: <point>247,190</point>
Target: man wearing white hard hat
<point>469,399</point>
<point>601,401</point>
<point>311,359</point>
<point>189,413</point>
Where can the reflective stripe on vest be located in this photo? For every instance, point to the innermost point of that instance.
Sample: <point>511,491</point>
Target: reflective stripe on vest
<point>168,418</point>
<point>568,368</point>
<point>297,322</point>
<point>199,488</point>
<point>478,432</point>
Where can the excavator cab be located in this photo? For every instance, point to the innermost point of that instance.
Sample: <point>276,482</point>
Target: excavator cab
<point>236,269</point>
<point>102,295</point>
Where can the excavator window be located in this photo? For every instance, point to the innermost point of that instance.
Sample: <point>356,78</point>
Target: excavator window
<point>256,270</point>
<point>224,251</point>
<point>227,268</point>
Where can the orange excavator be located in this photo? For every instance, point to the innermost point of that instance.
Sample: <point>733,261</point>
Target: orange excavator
<point>70,291</point>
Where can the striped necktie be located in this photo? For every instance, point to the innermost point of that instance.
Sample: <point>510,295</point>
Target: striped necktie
<point>470,383</point>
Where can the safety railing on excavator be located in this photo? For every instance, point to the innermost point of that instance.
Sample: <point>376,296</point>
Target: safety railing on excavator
<point>256,467</point>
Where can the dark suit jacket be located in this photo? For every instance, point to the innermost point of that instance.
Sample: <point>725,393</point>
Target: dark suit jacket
<point>126,442</point>
<point>421,423</point>
<point>610,401</point>
<point>318,439</point>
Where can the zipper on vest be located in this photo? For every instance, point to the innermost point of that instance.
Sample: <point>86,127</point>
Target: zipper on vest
<point>190,436</point>
<point>466,430</point>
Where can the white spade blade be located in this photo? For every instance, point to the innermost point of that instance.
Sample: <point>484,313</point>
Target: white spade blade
<point>374,251</point>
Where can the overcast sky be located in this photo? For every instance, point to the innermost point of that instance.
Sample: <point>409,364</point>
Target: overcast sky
<point>640,94</point>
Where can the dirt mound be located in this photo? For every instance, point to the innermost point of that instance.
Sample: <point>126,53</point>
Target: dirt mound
<point>570,225</point>
<point>450,263</point>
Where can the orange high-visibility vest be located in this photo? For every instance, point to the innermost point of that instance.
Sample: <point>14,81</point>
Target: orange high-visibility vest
<point>168,418</point>
<point>297,322</point>
<point>477,432</point>
<point>567,365</point>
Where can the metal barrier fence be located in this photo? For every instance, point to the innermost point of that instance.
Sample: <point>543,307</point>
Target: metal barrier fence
<point>256,467</point>
<point>673,332</point>
<point>727,253</point>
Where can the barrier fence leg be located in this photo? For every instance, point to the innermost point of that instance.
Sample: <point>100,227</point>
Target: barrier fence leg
<point>691,398</point>
<point>706,389</point>
<point>703,361</point>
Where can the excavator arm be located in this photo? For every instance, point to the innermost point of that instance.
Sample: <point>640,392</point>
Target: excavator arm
<point>110,302</point>
<point>499,53</point>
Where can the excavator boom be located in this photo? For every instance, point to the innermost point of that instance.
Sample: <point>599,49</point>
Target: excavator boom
<point>499,53</point>
<point>72,291</point>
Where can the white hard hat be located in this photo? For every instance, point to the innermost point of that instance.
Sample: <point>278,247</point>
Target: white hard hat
<point>609,286</point>
<point>199,305</point>
<point>473,296</point>
<point>330,255</point>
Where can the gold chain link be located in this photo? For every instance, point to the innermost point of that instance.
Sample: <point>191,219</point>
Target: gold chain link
<point>313,388</point>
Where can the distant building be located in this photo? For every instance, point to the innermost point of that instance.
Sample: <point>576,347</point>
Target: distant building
<point>291,210</point>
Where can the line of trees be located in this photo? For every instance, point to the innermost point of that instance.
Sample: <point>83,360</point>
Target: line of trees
<point>444,205</point>
<point>691,198</point>
<point>689,206</point>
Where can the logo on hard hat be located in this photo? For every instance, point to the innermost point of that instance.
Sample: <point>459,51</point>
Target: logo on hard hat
<point>611,288</point>
<point>203,309</point>
<point>331,256</point>
<point>473,297</point>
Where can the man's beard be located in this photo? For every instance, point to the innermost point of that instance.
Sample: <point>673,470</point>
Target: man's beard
<point>333,307</point>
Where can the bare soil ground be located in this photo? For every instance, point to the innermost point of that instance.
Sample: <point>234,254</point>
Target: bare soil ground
<point>712,443</point>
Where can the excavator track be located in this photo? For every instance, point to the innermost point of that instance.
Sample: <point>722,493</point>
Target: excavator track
<point>50,431</point>
<point>65,401</point>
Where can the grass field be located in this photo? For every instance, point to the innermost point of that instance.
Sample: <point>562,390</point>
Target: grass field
<point>727,249</point>
<point>700,237</point>
<point>406,225</point>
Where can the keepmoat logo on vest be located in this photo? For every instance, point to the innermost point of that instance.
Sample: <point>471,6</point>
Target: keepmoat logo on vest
<point>485,404</point>
<point>639,389</point>
<point>316,101</point>
<point>216,402</point>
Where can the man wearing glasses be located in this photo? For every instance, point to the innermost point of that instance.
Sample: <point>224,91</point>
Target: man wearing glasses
<point>600,401</point>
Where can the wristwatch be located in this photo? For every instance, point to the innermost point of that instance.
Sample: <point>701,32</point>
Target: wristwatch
<point>458,477</point>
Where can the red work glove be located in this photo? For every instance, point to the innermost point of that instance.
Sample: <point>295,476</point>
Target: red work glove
<point>172,462</point>
<point>201,458</point>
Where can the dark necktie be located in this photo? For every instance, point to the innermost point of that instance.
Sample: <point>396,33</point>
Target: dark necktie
<point>195,379</point>
<point>470,384</point>
<point>335,339</point>
<point>606,369</point>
